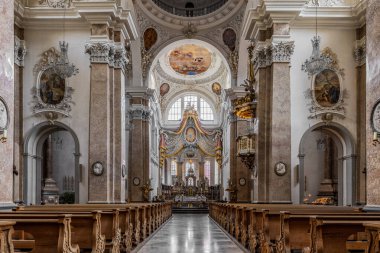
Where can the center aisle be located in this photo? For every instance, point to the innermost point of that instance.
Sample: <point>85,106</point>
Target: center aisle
<point>188,233</point>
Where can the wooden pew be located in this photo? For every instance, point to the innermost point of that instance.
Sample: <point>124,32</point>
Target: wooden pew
<point>134,219</point>
<point>373,236</point>
<point>6,231</point>
<point>51,233</point>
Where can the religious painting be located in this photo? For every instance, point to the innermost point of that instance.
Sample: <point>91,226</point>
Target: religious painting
<point>164,89</point>
<point>190,60</point>
<point>150,38</point>
<point>229,38</point>
<point>327,88</point>
<point>191,135</point>
<point>216,88</point>
<point>52,87</point>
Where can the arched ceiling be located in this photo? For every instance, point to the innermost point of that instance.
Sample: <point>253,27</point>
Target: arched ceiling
<point>189,65</point>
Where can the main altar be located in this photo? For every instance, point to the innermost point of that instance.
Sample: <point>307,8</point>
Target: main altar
<point>189,147</point>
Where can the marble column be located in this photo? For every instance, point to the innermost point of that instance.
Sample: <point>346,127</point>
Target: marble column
<point>360,58</point>
<point>273,54</point>
<point>7,95</point>
<point>19,53</point>
<point>139,151</point>
<point>100,49</point>
<point>179,171</point>
<point>372,96</point>
<point>119,155</point>
<point>201,166</point>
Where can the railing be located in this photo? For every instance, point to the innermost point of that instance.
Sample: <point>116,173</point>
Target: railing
<point>189,12</point>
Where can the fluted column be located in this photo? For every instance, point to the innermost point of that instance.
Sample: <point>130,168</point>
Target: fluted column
<point>50,191</point>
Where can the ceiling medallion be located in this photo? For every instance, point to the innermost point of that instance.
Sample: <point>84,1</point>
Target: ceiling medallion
<point>190,60</point>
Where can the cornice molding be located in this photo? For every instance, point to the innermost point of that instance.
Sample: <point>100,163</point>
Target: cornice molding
<point>94,12</point>
<point>175,22</point>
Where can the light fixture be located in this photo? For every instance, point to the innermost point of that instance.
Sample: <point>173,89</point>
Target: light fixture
<point>4,136</point>
<point>245,107</point>
<point>317,62</point>
<point>376,140</point>
<point>61,66</point>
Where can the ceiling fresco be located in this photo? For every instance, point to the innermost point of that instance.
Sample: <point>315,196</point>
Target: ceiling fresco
<point>190,59</point>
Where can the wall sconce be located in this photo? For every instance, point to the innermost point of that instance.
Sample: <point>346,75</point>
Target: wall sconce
<point>375,140</point>
<point>4,136</point>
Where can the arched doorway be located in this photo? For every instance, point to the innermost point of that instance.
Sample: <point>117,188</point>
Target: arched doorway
<point>327,164</point>
<point>51,162</point>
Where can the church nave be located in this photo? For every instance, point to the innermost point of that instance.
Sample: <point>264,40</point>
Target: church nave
<point>190,233</point>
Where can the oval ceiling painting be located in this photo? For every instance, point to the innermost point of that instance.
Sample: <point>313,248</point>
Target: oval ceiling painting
<point>190,60</point>
<point>327,88</point>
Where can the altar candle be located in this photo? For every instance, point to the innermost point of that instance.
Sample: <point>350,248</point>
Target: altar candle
<point>375,136</point>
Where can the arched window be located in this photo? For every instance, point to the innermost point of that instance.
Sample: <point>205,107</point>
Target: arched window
<point>189,9</point>
<point>189,166</point>
<point>201,105</point>
<point>207,170</point>
<point>173,168</point>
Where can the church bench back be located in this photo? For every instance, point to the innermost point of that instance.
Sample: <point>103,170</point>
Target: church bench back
<point>52,234</point>
<point>6,230</point>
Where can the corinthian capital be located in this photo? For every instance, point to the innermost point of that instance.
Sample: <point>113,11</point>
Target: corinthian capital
<point>280,52</point>
<point>120,57</point>
<point>100,52</point>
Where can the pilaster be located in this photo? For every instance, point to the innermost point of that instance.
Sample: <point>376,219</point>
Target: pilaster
<point>19,53</point>
<point>100,49</point>
<point>139,151</point>
<point>372,97</point>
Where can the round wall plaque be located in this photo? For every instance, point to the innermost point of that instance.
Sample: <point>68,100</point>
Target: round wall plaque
<point>4,115</point>
<point>97,168</point>
<point>280,168</point>
<point>375,117</point>
<point>136,181</point>
<point>242,181</point>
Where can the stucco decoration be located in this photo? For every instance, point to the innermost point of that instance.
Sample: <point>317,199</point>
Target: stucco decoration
<point>229,38</point>
<point>150,38</point>
<point>327,93</point>
<point>55,3</point>
<point>52,96</point>
<point>19,51</point>
<point>190,60</point>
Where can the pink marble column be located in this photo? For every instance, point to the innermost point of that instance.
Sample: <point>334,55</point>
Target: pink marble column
<point>7,94</point>
<point>373,95</point>
<point>101,135</point>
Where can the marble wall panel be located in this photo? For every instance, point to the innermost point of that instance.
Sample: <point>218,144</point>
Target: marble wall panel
<point>373,94</point>
<point>7,93</point>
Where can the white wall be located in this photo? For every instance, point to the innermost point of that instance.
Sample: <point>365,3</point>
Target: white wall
<point>341,41</point>
<point>37,42</point>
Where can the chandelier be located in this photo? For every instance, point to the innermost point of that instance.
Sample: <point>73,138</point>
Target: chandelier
<point>317,62</point>
<point>62,67</point>
<point>245,107</point>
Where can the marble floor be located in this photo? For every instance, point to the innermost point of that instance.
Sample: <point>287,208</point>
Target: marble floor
<point>190,233</point>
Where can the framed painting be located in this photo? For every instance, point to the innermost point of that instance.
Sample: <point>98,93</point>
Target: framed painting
<point>327,90</point>
<point>51,88</point>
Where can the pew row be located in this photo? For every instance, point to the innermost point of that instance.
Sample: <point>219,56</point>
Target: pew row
<point>292,228</point>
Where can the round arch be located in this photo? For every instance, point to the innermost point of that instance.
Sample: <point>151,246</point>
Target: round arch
<point>346,165</point>
<point>157,52</point>
<point>33,143</point>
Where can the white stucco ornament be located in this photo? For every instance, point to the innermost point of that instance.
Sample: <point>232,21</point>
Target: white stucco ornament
<point>6,67</point>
